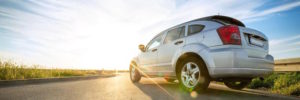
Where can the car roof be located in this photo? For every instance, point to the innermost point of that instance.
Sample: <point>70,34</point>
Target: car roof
<point>215,18</point>
<point>220,18</point>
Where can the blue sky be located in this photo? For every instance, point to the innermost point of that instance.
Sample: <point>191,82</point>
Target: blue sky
<point>282,28</point>
<point>105,33</point>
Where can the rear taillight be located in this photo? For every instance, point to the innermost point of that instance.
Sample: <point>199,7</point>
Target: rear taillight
<point>230,34</point>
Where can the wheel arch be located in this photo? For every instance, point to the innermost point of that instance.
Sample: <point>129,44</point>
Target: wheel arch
<point>198,50</point>
<point>187,55</point>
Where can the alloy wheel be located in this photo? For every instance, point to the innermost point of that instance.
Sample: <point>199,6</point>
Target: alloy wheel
<point>190,74</point>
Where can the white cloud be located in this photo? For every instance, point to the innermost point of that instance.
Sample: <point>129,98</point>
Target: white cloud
<point>280,8</point>
<point>277,42</point>
<point>103,33</point>
<point>286,47</point>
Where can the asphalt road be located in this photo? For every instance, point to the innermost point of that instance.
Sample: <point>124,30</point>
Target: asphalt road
<point>121,88</point>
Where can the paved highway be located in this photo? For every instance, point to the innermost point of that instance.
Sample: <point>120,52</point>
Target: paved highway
<point>121,88</point>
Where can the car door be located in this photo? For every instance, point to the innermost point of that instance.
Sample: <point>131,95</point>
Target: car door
<point>148,59</point>
<point>172,42</point>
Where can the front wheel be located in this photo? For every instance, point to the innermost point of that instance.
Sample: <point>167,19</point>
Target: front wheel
<point>135,76</point>
<point>237,85</point>
<point>193,75</point>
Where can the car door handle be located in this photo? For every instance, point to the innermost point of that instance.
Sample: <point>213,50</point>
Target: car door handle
<point>153,50</point>
<point>178,42</point>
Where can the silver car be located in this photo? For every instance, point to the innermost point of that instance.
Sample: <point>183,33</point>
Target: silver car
<point>214,48</point>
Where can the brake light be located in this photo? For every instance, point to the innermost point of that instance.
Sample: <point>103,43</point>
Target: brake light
<point>230,34</point>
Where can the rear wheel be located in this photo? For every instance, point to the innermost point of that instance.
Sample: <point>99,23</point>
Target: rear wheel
<point>135,75</point>
<point>193,75</point>
<point>238,85</point>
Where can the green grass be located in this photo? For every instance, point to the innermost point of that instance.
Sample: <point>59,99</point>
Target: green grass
<point>13,71</point>
<point>282,83</point>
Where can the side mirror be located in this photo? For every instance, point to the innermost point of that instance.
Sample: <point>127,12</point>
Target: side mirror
<point>142,48</point>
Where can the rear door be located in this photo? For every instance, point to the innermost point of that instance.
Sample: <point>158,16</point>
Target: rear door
<point>172,42</point>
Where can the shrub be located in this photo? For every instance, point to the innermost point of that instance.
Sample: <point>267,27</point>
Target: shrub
<point>283,83</point>
<point>286,80</point>
<point>268,81</point>
<point>290,90</point>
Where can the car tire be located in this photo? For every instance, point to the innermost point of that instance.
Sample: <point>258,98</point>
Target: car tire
<point>237,85</point>
<point>202,78</point>
<point>135,75</point>
<point>170,80</point>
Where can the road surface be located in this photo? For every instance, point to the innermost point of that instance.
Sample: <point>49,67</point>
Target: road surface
<point>121,88</point>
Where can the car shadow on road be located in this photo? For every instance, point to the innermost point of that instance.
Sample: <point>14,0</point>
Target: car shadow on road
<point>172,91</point>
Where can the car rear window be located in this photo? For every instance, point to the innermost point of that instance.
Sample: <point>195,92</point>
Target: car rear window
<point>228,20</point>
<point>193,29</point>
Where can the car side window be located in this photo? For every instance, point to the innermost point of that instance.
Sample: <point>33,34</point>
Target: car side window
<point>193,29</point>
<point>175,34</point>
<point>154,42</point>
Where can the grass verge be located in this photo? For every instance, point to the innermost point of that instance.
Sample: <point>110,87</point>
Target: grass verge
<point>282,83</point>
<point>13,71</point>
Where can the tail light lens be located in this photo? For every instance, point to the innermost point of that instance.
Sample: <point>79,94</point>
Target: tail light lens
<point>230,34</point>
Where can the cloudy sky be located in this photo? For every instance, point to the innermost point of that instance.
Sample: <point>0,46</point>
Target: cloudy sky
<point>95,34</point>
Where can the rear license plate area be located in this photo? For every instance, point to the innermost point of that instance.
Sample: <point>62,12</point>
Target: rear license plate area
<point>256,42</point>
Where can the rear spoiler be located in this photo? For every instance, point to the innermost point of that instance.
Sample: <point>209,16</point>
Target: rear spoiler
<point>223,20</point>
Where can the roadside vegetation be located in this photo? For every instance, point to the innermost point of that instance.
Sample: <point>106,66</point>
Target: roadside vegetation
<point>12,71</point>
<point>283,83</point>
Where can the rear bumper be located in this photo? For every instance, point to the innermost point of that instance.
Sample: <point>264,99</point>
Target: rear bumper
<point>234,62</point>
<point>239,72</point>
